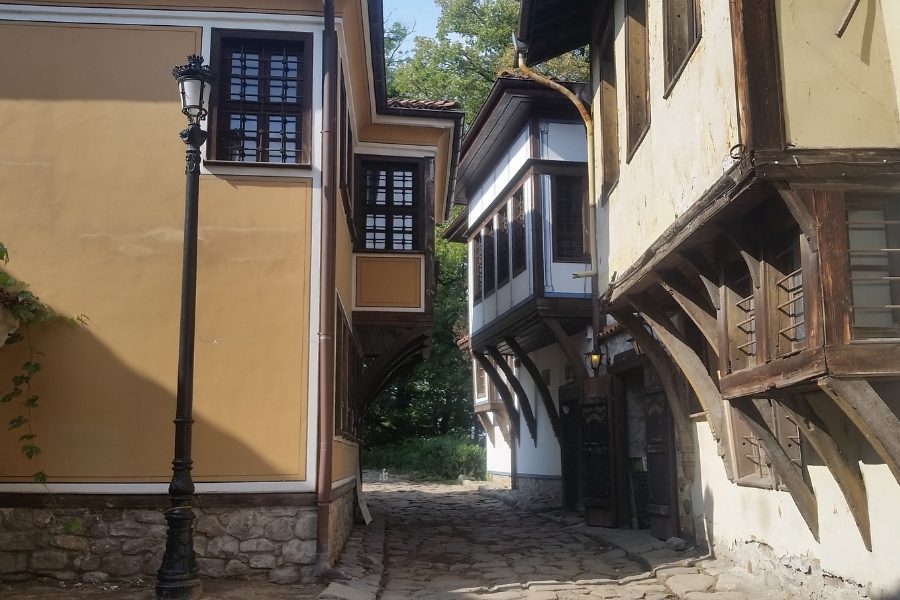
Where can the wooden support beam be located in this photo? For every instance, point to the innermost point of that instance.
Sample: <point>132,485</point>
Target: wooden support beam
<point>801,213</point>
<point>706,272</point>
<point>575,358</point>
<point>847,475</point>
<point>692,304</point>
<point>543,390</point>
<point>790,473</point>
<point>744,246</point>
<point>377,376</point>
<point>504,427</point>
<point>501,388</point>
<point>690,364</point>
<point>487,426</point>
<point>871,415</point>
<point>524,404</point>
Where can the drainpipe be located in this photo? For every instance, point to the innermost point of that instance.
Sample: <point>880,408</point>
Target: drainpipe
<point>594,273</point>
<point>326,292</point>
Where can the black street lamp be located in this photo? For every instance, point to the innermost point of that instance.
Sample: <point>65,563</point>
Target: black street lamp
<point>177,576</point>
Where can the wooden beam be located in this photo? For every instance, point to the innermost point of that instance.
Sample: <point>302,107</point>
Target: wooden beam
<point>847,475</point>
<point>833,258</point>
<point>706,273</point>
<point>779,373</point>
<point>801,213</point>
<point>579,369</point>
<point>524,404</point>
<point>690,364</point>
<point>487,426</point>
<point>692,304</point>
<point>871,415</point>
<point>543,390</point>
<point>380,373</point>
<point>501,388</point>
<point>790,473</point>
<point>504,426</point>
<point>745,247</point>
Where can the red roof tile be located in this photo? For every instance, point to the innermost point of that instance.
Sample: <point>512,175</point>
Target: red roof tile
<point>422,104</point>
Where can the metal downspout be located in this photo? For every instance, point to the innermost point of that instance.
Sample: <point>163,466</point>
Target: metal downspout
<point>594,273</point>
<point>326,292</point>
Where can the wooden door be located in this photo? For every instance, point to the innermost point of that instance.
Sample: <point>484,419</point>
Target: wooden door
<point>598,460</point>
<point>661,498</point>
<point>569,397</point>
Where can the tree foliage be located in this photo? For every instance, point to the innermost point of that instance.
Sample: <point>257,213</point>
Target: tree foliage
<point>472,46</point>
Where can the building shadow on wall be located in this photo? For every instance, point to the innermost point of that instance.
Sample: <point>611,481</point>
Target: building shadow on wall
<point>100,419</point>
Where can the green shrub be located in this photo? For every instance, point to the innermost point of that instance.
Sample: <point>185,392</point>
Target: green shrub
<point>445,457</point>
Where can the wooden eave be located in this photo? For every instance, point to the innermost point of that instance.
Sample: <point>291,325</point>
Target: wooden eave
<point>549,28</point>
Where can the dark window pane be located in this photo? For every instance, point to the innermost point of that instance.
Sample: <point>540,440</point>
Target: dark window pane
<point>478,272</point>
<point>490,260</point>
<point>392,191</point>
<point>568,228</point>
<point>502,247</point>
<point>519,260</point>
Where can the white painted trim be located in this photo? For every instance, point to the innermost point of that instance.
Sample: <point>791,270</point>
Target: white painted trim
<point>420,257</point>
<point>229,487</point>
<point>381,148</point>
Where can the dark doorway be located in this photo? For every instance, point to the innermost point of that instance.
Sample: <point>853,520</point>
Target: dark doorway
<point>569,396</point>
<point>600,478</point>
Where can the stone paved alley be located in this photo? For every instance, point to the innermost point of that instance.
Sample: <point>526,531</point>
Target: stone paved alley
<point>435,541</point>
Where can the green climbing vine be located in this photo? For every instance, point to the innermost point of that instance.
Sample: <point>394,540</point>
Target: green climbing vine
<point>25,310</point>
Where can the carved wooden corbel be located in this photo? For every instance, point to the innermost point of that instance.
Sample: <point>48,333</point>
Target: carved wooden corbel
<point>875,419</point>
<point>744,246</point>
<point>801,213</point>
<point>524,404</point>
<point>543,390</point>
<point>501,388</point>
<point>576,360</point>
<point>706,273</point>
<point>692,304</point>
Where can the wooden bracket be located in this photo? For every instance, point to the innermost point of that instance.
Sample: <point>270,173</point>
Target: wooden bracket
<point>501,388</point>
<point>790,473</point>
<point>745,247</point>
<point>534,372</point>
<point>487,426</point>
<point>690,364</point>
<point>383,371</point>
<point>871,415</point>
<point>801,213</point>
<point>846,474</point>
<point>706,273</point>
<point>524,404</point>
<point>692,304</point>
<point>579,369</point>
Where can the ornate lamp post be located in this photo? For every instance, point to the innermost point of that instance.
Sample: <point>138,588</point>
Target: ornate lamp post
<point>177,576</point>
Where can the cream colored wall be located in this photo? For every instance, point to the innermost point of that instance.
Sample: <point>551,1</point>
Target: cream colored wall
<point>389,281</point>
<point>92,191</point>
<point>743,520</point>
<point>345,457</point>
<point>839,92</point>
<point>690,135</point>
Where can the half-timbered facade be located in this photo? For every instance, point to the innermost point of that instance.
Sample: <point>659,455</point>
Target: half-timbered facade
<point>318,200</point>
<point>747,159</point>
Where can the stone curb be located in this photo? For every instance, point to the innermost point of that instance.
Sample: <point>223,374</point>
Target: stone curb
<point>362,560</point>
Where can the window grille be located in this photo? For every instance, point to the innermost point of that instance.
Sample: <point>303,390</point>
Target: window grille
<point>490,260</point>
<point>502,247</point>
<point>478,270</point>
<point>568,226</point>
<point>391,212</point>
<point>519,244</point>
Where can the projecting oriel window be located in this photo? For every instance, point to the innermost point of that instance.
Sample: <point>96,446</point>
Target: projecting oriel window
<point>389,206</point>
<point>568,224</point>
<point>502,247</point>
<point>262,102</point>
<point>490,260</point>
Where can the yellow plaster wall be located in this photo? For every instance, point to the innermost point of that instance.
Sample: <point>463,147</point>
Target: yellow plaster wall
<point>839,92</point>
<point>388,281</point>
<point>92,210</point>
<point>345,456</point>
<point>690,135</point>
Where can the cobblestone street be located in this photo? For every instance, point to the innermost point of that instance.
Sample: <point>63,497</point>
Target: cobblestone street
<point>437,541</point>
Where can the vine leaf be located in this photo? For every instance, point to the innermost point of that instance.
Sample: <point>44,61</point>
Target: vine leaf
<point>30,451</point>
<point>40,477</point>
<point>18,421</point>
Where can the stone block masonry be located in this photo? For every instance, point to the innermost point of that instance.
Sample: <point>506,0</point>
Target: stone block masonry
<point>274,543</point>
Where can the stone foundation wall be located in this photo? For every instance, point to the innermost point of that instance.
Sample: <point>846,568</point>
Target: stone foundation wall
<point>545,489</point>
<point>275,543</point>
<point>501,480</point>
<point>342,510</point>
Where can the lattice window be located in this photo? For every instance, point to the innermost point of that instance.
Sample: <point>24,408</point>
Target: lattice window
<point>873,228</point>
<point>477,268</point>
<point>348,367</point>
<point>262,106</point>
<point>789,315</point>
<point>568,224</point>
<point>490,260</point>
<point>519,243</point>
<point>502,247</point>
<point>752,463</point>
<point>741,317</point>
<point>390,210</point>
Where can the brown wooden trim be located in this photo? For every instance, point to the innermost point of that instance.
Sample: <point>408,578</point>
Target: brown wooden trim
<point>871,415</point>
<point>576,360</point>
<point>864,359</point>
<point>847,475</point>
<point>812,291</point>
<point>754,34</point>
<point>692,304</point>
<point>790,473</point>
<point>780,373</point>
<point>833,259</point>
<point>637,75</point>
<point>543,390</point>
<point>524,403</point>
<point>375,318</point>
<point>430,280</point>
<point>844,166</point>
<point>537,235</point>
<point>152,501</point>
<point>380,373</point>
<point>505,395</point>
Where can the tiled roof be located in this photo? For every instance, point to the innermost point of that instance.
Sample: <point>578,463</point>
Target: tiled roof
<point>422,104</point>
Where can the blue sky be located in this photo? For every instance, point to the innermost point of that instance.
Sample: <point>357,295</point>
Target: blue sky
<point>420,15</point>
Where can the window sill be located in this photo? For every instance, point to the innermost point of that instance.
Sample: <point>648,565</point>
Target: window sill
<point>229,167</point>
